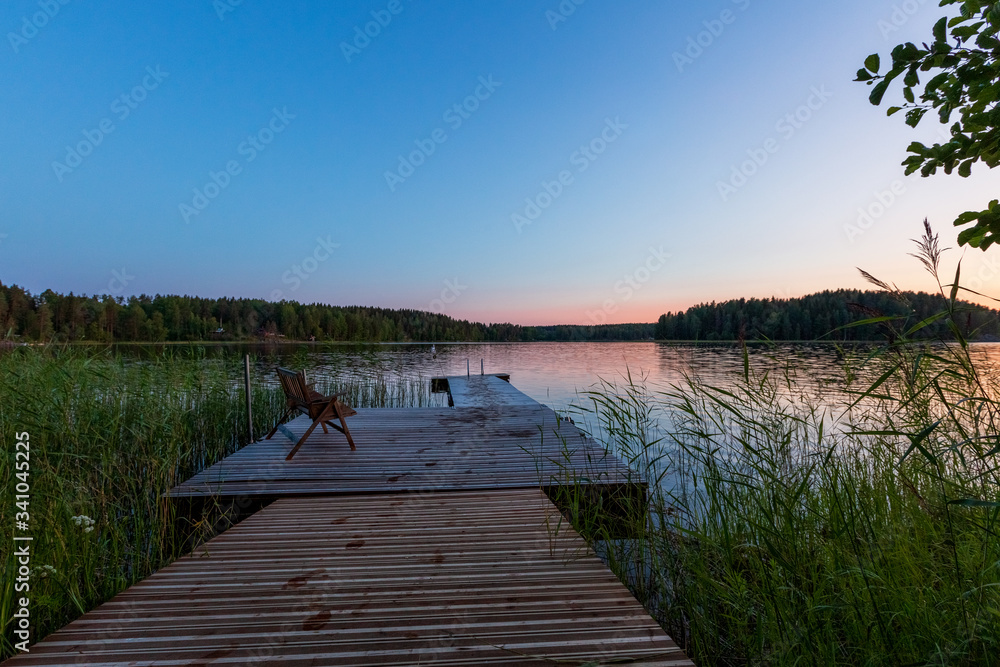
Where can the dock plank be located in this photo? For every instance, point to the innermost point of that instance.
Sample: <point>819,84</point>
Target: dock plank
<point>442,578</point>
<point>513,446</point>
<point>486,391</point>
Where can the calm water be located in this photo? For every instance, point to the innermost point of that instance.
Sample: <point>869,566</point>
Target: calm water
<point>555,374</point>
<point>559,374</point>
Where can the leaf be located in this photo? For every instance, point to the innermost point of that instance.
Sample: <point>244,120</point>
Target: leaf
<point>864,75</point>
<point>925,323</point>
<point>916,440</point>
<point>867,321</point>
<point>873,387</point>
<point>872,62</point>
<point>878,92</point>
<point>972,502</point>
<point>954,287</point>
<point>940,30</point>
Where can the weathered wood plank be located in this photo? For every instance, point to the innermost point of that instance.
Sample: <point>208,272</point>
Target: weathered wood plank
<point>431,578</point>
<point>513,446</point>
<point>486,391</point>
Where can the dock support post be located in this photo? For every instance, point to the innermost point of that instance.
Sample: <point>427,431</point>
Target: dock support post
<point>246,386</point>
<point>482,367</point>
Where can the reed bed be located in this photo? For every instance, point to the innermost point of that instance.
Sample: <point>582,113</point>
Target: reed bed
<point>109,435</point>
<point>781,533</point>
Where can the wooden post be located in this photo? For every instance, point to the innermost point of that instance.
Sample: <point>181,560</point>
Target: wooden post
<point>468,372</point>
<point>482,366</point>
<point>246,386</point>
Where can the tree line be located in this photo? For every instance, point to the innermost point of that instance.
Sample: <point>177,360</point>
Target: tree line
<point>54,317</point>
<point>820,317</point>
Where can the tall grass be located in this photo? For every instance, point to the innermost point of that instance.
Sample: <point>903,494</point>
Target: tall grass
<point>779,532</point>
<point>109,435</point>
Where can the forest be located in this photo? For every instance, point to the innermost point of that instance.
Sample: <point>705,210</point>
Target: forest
<point>53,317</point>
<point>821,316</point>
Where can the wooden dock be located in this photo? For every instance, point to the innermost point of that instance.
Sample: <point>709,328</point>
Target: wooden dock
<point>415,450</point>
<point>433,543</point>
<point>483,391</point>
<point>429,578</point>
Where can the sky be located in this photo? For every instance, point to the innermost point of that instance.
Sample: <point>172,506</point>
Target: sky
<point>527,161</point>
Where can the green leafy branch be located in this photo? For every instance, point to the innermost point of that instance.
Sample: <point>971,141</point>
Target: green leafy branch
<point>963,63</point>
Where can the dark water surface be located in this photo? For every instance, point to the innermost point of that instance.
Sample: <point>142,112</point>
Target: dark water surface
<point>551,373</point>
<point>559,374</point>
<point>556,374</point>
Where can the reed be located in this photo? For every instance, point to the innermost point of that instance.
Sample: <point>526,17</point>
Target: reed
<point>109,435</point>
<point>779,532</point>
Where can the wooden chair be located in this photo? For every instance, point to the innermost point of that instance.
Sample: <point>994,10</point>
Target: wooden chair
<point>321,409</point>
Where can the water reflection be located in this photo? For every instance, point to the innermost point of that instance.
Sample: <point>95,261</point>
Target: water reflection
<point>552,373</point>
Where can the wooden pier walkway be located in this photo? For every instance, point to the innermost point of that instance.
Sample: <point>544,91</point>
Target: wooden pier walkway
<point>432,578</point>
<point>484,391</point>
<point>384,556</point>
<point>416,450</point>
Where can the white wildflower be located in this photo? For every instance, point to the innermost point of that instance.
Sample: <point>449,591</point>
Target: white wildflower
<point>84,522</point>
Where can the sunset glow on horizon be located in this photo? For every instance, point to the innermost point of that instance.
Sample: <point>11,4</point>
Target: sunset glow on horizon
<point>535,162</point>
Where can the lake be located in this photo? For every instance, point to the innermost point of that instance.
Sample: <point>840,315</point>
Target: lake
<point>555,374</point>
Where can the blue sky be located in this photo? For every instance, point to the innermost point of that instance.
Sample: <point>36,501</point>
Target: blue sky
<point>528,161</point>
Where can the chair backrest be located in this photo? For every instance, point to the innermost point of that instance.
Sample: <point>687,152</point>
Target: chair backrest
<point>293,383</point>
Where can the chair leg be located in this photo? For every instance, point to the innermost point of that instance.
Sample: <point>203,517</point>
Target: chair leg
<point>343,423</point>
<point>301,441</point>
<point>277,424</point>
<point>330,411</point>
